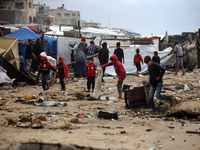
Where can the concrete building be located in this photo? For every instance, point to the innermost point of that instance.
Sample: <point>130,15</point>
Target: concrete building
<point>57,16</point>
<point>17,11</point>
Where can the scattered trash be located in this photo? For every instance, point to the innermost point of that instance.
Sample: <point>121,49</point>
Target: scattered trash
<point>148,130</point>
<point>193,132</point>
<point>29,97</point>
<point>184,114</point>
<point>74,120</point>
<point>107,115</point>
<point>124,132</point>
<point>80,116</point>
<point>173,138</point>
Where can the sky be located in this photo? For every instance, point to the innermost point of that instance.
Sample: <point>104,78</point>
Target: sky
<point>143,16</point>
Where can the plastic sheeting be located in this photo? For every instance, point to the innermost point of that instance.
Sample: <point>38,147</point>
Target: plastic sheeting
<point>145,50</point>
<point>4,78</point>
<point>64,48</point>
<point>122,42</point>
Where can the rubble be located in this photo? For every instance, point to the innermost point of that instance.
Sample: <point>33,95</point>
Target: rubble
<point>102,121</point>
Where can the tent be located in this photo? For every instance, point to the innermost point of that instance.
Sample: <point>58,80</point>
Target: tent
<point>24,34</point>
<point>9,50</point>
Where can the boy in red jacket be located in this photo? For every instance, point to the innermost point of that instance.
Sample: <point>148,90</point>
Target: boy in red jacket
<point>45,67</point>
<point>120,71</point>
<point>137,59</point>
<point>62,71</point>
<point>90,74</point>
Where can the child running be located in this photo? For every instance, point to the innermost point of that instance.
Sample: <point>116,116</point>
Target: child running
<point>137,60</point>
<point>120,71</point>
<point>90,74</point>
<point>62,72</point>
<point>156,73</point>
<point>45,67</point>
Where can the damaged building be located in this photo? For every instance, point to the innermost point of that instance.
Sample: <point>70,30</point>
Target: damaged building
<point>56,16</point>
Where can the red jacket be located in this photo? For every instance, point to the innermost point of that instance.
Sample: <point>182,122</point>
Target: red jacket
<point>48,65</point>
<point>137,58</point>
<point>65,68</point>
<point>119,68</point>
<point>90,70</point>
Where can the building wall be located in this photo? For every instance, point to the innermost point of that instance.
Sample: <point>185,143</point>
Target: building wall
<point>17,11</point>
<point>61,15</point>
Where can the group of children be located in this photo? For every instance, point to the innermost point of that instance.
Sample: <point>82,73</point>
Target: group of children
<point>45,68</point>
<point>156,73</point>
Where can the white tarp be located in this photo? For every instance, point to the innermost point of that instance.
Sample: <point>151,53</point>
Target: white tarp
<point>113,42</point>
<point>129,53</point>
<point>4,78</point>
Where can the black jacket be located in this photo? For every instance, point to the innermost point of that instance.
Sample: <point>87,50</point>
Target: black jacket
<point>29,51</point>
<point>103,56</point>
<point>120,54</point>
<point>155,70</point>
<point>156,59</point>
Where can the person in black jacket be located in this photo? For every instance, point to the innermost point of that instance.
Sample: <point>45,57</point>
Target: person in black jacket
<point>37,50</point>
<point>156,73</point>
<point>156,58</point>
<point>119,52</point>
<point>103,56</point>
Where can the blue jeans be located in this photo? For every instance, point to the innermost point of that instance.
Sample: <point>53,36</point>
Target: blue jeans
<point>157,89</point>
<point>62,77</point>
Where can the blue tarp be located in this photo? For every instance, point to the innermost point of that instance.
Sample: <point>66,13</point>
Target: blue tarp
<point>24,34</point>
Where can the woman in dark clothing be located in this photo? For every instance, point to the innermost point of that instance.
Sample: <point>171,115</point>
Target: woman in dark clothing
<point>79,67</point>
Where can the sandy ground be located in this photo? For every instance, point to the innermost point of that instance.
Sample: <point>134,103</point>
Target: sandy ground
<point>101,133</point>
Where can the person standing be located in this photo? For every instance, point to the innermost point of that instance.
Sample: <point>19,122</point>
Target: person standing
<point>79,66</point>
<point>120,71</point>
<point>156,73</point>
<point>21,59</point>
<point>178,50</point>
<point>92,48</point>
<point>29,54</point>
<point>103,57</point>
<point>156,58</point>
<point>62,71</point>
<point>119,52</point>
<point>37,50</point>
<point>83,46</point>
<point>137,60</point>
<point>90,73</point>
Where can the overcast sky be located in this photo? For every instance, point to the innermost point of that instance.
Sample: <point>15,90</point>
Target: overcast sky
<point>142,16</point>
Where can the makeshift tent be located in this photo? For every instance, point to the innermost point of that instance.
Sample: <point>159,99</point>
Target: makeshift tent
<point>9,50</point>
<point>13,72</point>
<point>145,50</point>
<point>24,34</point>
